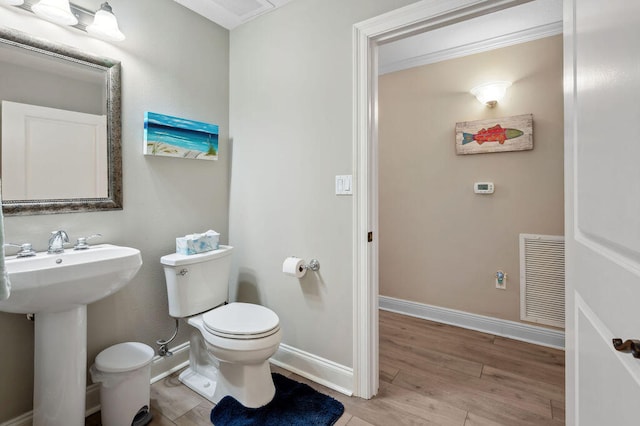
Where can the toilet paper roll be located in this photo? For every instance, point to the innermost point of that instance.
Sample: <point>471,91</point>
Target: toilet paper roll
<point>294,267</point>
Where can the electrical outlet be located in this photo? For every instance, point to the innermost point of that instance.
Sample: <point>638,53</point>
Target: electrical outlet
<point>501,280</point>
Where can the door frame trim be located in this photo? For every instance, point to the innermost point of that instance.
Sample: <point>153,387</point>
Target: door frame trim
<point>367,36</point>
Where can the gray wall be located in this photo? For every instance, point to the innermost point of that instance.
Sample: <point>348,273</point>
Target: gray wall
<point>291,131</point>
<point>27,85</point>
<point>173,62</point>
<point>440,243</point>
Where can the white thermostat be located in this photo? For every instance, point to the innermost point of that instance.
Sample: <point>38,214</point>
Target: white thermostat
<point>483,187</point>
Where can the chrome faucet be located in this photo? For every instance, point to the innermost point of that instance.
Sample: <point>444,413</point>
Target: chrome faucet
<point>26,250</point>
<point>82,244</point>
<point>57,241</point>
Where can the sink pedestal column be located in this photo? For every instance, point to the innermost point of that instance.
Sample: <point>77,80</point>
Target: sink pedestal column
<point>60,374</point>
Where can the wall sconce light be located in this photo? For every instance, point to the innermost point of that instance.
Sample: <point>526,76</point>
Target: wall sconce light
<point>490,94</point>
<point>102,24</point>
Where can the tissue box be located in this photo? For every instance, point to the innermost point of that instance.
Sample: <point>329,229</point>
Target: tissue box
<point>197,243</point>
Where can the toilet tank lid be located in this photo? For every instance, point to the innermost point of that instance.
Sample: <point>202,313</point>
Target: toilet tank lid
<point>123,357</point>
<point>176,259</point>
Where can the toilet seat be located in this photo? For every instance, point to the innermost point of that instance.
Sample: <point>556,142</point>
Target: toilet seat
<point>241,321</point>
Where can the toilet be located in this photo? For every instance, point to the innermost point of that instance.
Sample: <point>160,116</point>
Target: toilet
<point>230,344</point>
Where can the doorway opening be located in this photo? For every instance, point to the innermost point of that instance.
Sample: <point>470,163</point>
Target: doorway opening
<point>368,36</point>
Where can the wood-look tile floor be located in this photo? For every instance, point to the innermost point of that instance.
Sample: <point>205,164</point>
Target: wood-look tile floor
<point>430,374</point>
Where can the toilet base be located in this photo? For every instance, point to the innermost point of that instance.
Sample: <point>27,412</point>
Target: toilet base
<point>199,383</point>
<point>214,390</point>
<point>214,379</point>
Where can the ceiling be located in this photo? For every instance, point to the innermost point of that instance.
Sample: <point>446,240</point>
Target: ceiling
<point>526,22</point>
<point>231,13</point>
<point>518,24</point>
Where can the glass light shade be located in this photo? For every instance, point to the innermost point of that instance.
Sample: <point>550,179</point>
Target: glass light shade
<point>491,93</point>
<point>105,25</point>
<point>12,2</point>
<point>57,11</point>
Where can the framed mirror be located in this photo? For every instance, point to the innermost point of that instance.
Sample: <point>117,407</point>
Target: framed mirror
<point>60,128</point>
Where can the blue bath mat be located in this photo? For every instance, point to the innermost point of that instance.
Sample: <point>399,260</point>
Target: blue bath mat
<point>294,404</point>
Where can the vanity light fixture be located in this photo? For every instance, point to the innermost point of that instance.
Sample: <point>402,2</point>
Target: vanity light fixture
<point>105,24</point>
<point>490,94</point>
<point>101,24</point>
<point>56,11</point>
<point>12,2</point>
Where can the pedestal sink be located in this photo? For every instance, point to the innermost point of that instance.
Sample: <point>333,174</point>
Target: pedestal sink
<point>58,288</point>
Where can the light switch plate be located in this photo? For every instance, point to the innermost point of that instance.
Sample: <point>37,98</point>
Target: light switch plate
<point>344,185</point>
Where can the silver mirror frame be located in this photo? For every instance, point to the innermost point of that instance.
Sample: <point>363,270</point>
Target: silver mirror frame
<point>112,69</point>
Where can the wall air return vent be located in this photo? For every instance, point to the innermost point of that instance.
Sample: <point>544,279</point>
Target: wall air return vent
<point>231,13</point>
<point>542,279</point>
<point>244,8</point>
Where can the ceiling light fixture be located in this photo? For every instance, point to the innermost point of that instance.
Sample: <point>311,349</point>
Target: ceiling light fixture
<point>56,11</point>
<point>105,24</point>
<point>490,94</point>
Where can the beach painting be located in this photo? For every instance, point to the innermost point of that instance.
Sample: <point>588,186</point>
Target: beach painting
<point>513,133</point>
<point>169,136</point>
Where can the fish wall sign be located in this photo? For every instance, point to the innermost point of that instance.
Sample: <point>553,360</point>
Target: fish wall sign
<point>495,135</point>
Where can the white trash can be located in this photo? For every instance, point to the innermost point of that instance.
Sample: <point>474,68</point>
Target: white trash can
<point>124,374</point>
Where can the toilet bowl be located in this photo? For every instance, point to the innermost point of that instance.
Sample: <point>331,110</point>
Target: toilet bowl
<point>243,360</point>
<point>230,344</point>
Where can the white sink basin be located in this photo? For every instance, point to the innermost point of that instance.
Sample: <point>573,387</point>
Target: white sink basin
<point>58,282</point>
<point>57,288</point>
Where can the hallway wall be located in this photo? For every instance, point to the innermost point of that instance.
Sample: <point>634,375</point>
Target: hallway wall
<point>441,244</point>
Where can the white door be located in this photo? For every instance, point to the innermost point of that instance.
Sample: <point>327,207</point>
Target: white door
<point>602,112</point>
<point>50,153</point>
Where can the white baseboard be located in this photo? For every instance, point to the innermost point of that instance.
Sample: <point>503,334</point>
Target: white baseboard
<point>24,420</point>
<point>92,403</point>
<point>92,406</point>
<point>327,373</point>
<point>511,329</point>
<point>161,367</point>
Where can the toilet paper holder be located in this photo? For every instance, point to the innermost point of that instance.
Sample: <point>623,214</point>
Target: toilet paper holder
<point>297,267</point>
<point>313,265</point>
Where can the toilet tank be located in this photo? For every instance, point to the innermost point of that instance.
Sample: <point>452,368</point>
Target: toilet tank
<point>198,282</point>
